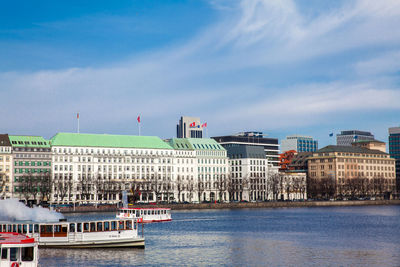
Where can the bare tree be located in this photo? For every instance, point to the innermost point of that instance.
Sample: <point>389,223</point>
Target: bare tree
<point>190,189</point>
<point>27,186</point>
<point>156,185</point>
<point>221,185</point>
<point>200,189</point>
<point>179,186</point>
<point>45,184</point>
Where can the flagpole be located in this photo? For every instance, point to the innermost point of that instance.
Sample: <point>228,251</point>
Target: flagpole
<point>78,121</point>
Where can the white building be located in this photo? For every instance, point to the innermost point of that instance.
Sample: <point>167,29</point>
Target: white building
<point>249,172</point>
<point>95,168</point>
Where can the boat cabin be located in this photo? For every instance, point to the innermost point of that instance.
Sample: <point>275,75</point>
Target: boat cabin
<point>17,250</point>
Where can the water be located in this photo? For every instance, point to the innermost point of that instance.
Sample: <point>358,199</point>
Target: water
<point>328,236</point>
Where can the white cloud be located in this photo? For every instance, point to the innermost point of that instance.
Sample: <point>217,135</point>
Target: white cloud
<point>221,74</point>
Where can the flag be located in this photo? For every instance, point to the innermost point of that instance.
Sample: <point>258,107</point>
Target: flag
<point>77,115</point>
<point>193,124</point>
<point>204,125</point>
<point>138,119</point>
<point>331,134</point>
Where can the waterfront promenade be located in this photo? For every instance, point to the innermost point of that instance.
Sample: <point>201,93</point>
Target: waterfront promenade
<point>240,205</point>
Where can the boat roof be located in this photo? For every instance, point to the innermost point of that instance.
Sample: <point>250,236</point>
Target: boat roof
<point>15,238</point>
<point>144,208</point>
<point>63,222</point>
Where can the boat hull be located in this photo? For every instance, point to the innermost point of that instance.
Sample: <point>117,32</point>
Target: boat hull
<point>137,243</point>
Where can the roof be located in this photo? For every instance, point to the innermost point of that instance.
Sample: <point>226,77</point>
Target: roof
<point>28,141</point>
<point>15,238</point>
<point>108,140</point>
<point>369,141</point>
<point>205,144</point>
<point>4,140</point>
<point>180,144</point>
<point>349,149</point>
<point>244,151</point>
<point>195,144</point>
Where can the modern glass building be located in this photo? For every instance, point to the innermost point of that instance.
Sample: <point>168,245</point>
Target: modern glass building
<point>346,138</point>
<point>394,150</point>
<point>299,143</point>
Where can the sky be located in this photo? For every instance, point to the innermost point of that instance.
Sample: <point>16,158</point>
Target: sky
<point>282,67</point>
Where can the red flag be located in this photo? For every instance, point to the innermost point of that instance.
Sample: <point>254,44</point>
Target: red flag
<point>77,115</point>
<point>204,125</point>
<point>192,124</point>
<point>138,119</point>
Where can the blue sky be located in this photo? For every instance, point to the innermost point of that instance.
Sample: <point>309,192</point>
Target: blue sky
<point>282,67</point>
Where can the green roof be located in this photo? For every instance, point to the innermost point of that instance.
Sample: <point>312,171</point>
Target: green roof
<point>108,140</point>
<point>195,144</point>
<point>180,144</point>
<point>28,141</point>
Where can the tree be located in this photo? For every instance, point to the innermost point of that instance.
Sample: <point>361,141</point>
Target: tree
<point>179,186</point>
<point>26,185</point>
<point>45,184</point>
<point>63,187</point>
<point>156,185</point>
<point>221,185</point>
<point>190,188</point>
<point>200,189</point>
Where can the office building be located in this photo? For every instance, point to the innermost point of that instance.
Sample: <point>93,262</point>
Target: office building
<point>270,145</point>
<point>353,171</point>
<point>394,151</point>
<point>346,138</point>
<point>32,168</point>
<point>299,143</point>
<point>189,127</point>
<point>249,172</point>
<point>5,167</point>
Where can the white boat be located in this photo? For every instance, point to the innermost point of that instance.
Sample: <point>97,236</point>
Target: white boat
<point>146,215</point>
<point>18,250</point>
<point>86,234</point>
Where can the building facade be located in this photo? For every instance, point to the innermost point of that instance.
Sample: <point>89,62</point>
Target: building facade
<point>346,138</point>
<point>351,172</point>
<point>5,167</point>
<point>299,143</point>
<point>394,151</point>
<point>189,127</point>
<point>270,145</point>
<point>31,168</point>
<point>248,172</point>
<point>96,168</point>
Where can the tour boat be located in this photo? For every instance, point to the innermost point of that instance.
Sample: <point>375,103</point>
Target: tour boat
<point>85,234</point>
<point>146,215</point>
<point>18,250</point>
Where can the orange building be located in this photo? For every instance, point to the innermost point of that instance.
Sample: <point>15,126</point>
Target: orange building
<point>285,159</point>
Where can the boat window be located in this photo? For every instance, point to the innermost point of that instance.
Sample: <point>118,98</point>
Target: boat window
<point>31,228</point>
<point>121,225</point>
<point>36,228</point>
<point>27,254</point>
<point>145,212</point>
<point>57,228</point>
<point>25,228</point>
<point>113,225</point>
<point>152,212</point>
<point>72,227</point>
<point>64,229</point>
<point>99,226</point>
<point>4,253</point>
<point>2,228</point>
<point>92,227</point>
<point>14,228</point>
<point>129,225</point>
<point>9,228</point>
<point>106,226</point>
<point>79,227</point>
<point>13,254</point>
<point>86,227</point>
<point>19,228</point>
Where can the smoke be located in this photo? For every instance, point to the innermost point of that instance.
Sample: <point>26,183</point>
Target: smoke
<point>13,210</point>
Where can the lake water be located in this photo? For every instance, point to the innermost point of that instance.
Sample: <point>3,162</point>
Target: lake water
<point>328,236</point>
